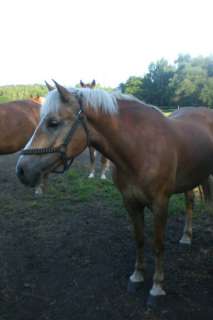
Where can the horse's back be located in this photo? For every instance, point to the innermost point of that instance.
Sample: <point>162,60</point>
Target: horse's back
<point>193,121</point>
<point>192,114</point>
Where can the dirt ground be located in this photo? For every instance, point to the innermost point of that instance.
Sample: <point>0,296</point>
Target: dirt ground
<point>64,260</point>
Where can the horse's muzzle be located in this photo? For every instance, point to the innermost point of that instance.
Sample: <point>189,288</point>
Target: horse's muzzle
<point>27,173</point>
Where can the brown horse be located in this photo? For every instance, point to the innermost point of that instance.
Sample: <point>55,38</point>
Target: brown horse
<point>153,156</point>
<point>18,120</point>
<point>204,191</point>
<point>105,163</point>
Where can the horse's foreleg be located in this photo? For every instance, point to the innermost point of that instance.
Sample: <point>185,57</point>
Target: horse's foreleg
<point>105,163</point>
<point>187,231</point>
<point>92,163</point>
<point>160,210</point>
<point>42,187</point>
<point>136,215</point>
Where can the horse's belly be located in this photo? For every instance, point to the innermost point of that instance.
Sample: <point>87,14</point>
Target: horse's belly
<point>187,180</point>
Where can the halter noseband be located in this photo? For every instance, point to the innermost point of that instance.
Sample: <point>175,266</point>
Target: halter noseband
<point>80,120</point>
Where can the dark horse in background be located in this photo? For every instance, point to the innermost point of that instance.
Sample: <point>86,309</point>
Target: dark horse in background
<point>105,163</point>
<point>153,156</point>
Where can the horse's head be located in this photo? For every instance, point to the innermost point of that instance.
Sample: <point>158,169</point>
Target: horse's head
<point>61,135</point>
<point>88,85</point>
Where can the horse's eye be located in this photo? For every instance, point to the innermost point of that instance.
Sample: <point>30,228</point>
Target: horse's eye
<point>52,123</point>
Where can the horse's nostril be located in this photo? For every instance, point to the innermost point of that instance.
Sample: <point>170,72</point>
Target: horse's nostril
<point>20,172</point>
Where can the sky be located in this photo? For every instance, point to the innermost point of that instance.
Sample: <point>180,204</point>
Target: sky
<point>105,40</point>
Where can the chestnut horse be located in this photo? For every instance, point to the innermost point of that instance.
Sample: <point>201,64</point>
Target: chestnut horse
<point>153,156</point>
<point>105,163</point>
<point>205,191</point>
<point>18,120</point>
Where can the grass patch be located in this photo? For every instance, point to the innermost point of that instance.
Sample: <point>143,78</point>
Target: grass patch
<point>3,99</point>
<point>76,187</point>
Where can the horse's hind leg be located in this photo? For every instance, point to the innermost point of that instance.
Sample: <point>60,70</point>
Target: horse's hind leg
<point>105,163</point>
<point>92,163</point>
<point>136,215</point>
<point>187,231</point>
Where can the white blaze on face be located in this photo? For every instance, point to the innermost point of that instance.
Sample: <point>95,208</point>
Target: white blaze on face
<point>29,143</point>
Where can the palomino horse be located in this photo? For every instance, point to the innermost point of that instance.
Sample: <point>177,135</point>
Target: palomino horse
<point>18,120</point>
<point>153,156</point>
<point>105,163</point>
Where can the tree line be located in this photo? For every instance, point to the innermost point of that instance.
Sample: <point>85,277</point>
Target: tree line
<point>18,92</point>
<point>187,82</point>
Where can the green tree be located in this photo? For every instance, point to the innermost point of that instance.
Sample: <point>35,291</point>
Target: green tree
<point>134,86</point>
<point>156,89</point>
<point>207,93</point>
<point>192,80</point>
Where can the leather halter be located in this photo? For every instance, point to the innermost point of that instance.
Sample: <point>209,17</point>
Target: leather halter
<point>80,120</point>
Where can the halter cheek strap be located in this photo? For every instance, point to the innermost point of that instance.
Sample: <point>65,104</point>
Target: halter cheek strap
<point>62,149</point>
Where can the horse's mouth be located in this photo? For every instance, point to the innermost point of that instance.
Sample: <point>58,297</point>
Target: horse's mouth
<point>30,173</point>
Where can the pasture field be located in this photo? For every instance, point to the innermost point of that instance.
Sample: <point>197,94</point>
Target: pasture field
<point>68,255</point>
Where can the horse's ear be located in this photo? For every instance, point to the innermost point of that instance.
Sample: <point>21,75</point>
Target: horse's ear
<point>82,84</point>
<point>65,95</point>
<point>49,87</point>
<point>93,84</point>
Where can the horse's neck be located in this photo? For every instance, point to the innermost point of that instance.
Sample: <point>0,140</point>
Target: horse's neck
<point>102,129</point>
<point>117,135</point>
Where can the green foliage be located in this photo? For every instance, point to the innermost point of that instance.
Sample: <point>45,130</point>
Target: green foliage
<point>188,82</point>
<point>190,79</point>
<point>156,89</point>
<point>134,86</point>
<point>3,99</point>
<point>18,92</point>
<point>207,92</point>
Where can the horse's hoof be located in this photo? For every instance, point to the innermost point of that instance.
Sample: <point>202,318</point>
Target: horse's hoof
<point>103,177</point>
<point>91,176</point>
<point>154,302</point>
<point>133,287</point>
<point>38,193</point>
<point>185,241</point>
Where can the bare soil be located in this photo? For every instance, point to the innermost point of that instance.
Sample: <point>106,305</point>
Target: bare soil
<point>61,259</point>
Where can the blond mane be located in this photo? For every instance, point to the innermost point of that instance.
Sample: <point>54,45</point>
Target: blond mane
<point>97,99</point>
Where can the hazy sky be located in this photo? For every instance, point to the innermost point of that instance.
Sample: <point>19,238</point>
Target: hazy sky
<point>106,40</point>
